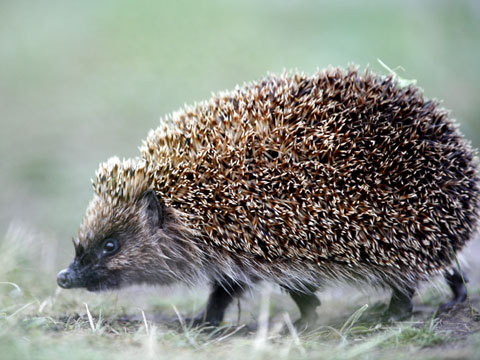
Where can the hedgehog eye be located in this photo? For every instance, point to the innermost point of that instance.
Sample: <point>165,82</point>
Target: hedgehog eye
<point>110,247</point>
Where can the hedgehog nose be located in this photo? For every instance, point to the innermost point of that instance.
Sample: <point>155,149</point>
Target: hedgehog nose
<point>64,279</point>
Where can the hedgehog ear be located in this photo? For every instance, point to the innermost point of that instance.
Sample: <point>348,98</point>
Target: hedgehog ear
<point>155,211</point>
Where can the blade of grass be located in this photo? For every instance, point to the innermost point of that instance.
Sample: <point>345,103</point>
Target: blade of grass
<point>21,309</point>
<point>347,326</point>
<point>293,333</point>
<point>145,321</point>
<point>90,318</point>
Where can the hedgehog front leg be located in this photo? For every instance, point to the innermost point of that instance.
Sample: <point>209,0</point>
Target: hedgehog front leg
<point>401,304</point>
<point>307,303</point>
<point>220,297</point>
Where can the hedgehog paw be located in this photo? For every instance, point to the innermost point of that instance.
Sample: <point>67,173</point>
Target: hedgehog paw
<point>398,311</point>
<point>306,323</point>
<point>202,321</point>
<point>401,305</point>
<point>397,314</point>
<point>456,300</point>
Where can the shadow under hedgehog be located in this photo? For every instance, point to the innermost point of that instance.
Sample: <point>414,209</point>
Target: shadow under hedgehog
<point>295,180</point>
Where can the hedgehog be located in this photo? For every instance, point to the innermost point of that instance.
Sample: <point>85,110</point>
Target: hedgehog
<point>342,176</point>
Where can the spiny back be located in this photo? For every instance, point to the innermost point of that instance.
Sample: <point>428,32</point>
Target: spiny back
<point>337,167</point>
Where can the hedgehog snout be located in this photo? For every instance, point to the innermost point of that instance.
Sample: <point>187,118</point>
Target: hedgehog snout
<point>69,278</point>
<point>64,279</point>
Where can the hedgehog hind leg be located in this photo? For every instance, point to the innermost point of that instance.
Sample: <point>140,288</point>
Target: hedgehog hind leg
<point>401,304</point>
<point>220,297</point>
<point>456,281</point>
<point>307,303</point>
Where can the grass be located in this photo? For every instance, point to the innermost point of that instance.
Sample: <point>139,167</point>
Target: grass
<point>39,321</point>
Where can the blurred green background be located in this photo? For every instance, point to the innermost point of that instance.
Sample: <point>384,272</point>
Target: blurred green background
<point>82,81</point>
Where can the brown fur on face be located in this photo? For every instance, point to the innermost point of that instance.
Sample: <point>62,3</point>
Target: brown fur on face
<point>152,244</point>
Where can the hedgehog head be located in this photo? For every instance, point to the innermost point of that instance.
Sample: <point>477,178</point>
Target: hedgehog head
<point>127,234</point>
